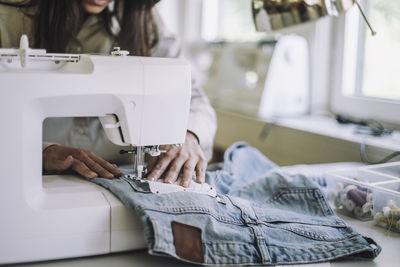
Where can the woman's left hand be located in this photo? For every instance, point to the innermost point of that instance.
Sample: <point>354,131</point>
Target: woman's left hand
<point>188,158</point>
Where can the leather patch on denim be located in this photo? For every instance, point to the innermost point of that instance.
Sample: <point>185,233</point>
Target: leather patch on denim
<point>187,242</point>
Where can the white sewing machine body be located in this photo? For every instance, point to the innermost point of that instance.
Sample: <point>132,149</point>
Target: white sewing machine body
<point>53,217</point>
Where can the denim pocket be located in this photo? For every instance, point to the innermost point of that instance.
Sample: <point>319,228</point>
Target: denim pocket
<point>309,201</point>
<point>304,212</point>
<point>298,205</point>
<point>316,232</point>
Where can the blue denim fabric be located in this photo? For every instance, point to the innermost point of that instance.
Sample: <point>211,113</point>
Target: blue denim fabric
<point>260,216</point>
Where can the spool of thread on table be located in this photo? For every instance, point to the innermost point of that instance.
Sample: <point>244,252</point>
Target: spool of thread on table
<point>342,197</point>
<point>358,212</point>
<point>349,187</point>
<point>383,221</point>
<point>377,220</point>
<point>393,214</point>
<point>359,197</point>
<point>350,205</point>
<point>367,207</point>
<point>369,197</point>
<point>385,211</point>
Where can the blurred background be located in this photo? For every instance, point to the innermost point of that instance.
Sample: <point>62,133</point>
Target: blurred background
<point>290,85</point>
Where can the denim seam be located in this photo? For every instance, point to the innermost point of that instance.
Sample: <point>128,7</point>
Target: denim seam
<point>346,249</point>
<point>239,208</point>
<point>259,239</point>
<point>311,235</point>
<point>287,191</point>
<point>194,210</point>
<point>157,230</point>
<point>308,234</point>
<point>323,203</point>
<point>272,223</point>
<point>317,194</point>
<point>228,243</point>
<point>261,244</point>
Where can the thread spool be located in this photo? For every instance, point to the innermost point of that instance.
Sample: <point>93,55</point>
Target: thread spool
<point>393,214</point>
<point>378,220</point>
<point>342,197</point>
<point>350,205</point>
<point>367,207</point>
<point>358,212</point>
<point>359,197</point>
<point>383,221</point>
<point>369,197</point>
<point>349,187</point>
<point>385,211</point>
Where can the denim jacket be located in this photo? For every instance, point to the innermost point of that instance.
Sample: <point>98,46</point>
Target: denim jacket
<point>260,215</point>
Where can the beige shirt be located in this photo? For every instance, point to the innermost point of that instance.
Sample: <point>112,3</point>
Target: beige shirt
<point>87,133</point>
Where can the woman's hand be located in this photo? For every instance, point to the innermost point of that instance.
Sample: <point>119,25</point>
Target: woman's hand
<point>59,159</point>
<point>189,158</point>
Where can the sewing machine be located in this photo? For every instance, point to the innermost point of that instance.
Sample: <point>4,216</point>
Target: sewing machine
<point>141,102</point>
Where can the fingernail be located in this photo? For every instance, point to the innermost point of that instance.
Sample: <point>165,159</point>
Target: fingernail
<point>167,181</point>
<point>92,175</point>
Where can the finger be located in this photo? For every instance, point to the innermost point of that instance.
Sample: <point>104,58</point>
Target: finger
<point>160,167</point>
<point>92,165</point>
<point>58,165</point>
<point>111,168</point>
<point>82,169</point>
<point>152,163</point>
<point>174,170</point>
<point>201,171</point>
<point>188,171</point>
<point>63,165</point>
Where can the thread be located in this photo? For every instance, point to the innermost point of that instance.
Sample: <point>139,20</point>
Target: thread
<point>358,212</point>
<point>359,197</point>
<point>350,205</point>
<point>367,207</point>
<point>388,217</point>
<point>369,197</point>
<point>352,200</point>
<point>377,220</point>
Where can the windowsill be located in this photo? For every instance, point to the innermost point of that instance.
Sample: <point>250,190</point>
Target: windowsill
<point>326,126</point>
<point>307,139</point>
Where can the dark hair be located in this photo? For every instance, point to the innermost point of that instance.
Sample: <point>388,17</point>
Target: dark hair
<point>57,23</point>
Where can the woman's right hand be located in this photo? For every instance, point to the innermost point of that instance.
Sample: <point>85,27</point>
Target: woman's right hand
<point>60,159</point>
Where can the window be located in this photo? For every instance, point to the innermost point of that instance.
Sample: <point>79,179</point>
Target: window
<point>366,81</point>
<point>228,20</point>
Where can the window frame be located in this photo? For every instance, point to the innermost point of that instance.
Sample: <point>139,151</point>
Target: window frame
<point>385,110</point>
